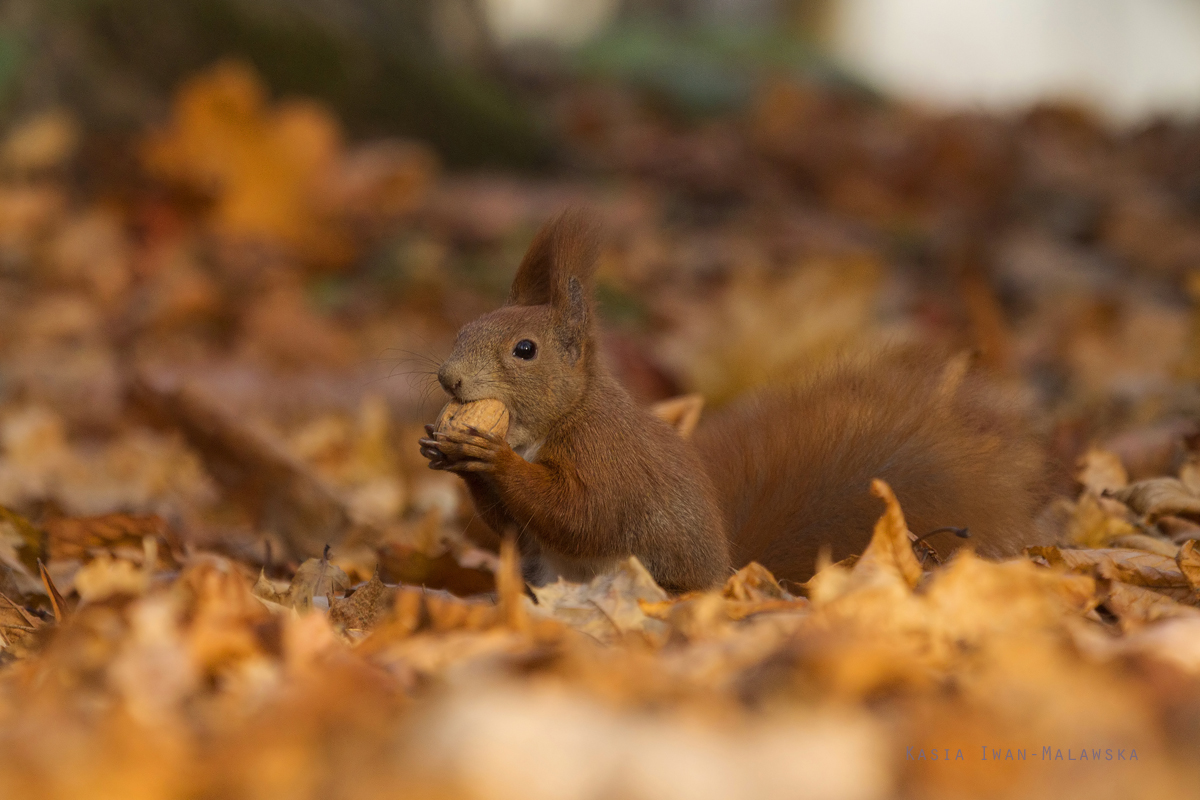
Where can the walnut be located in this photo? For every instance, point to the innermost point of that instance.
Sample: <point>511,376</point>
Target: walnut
<point>489,416</point>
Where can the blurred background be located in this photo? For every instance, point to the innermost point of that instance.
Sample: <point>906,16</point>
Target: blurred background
<point>245,231</point>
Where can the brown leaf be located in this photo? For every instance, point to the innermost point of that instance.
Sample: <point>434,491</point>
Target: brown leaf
<point>694,616</point>
<point>104,577</point>
<point>681,413</point>
<point>16,625</point>
<point>1100,471</point>
<point>1151,544</point>
<point>362,610</point>
<point>1188,559</point>
<point>754,583</point>
<point>607,608</point>
<point>449,613</point>
<point>510,588</point>
<point>316,577</point>
<point>265,589</point>
<point>284,493</point>
<point>32,539</point>
<point>82,537</point>
<point>61,610</point>
<point>1136,567</point>
<point>1135,606</point>
<point>1157,497</point>
<point>268,166</point>
<point>401,563</point>
<point>1096,521</point>
<point>890,551</point>
<point>1178,529</point>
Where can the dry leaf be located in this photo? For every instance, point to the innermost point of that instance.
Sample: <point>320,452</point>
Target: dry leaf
<point>1137,567</point>
<point>1159,496</point>
<point>28,541</point>
<point>681,413</point>
<point>1188,559</point>
<point>265,589</point>
<point>890,552</point>
<point>57,603</point>
<point>16,626</point>
<point>316,577</point>
<point>754,583</point>
<point>83,537</point>
<point>607,608</point>
<point>1135,606</point>
<point>103,577</point>
<point>1151,544</point>
<point>1101,471</point>
<point>267,166</point>
<point>1095,522</point>
<point>285,494</point>
<point>362,610</point>
<point>42,142</point>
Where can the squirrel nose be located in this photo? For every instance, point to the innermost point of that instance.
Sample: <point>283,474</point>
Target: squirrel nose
<point>450,382</point>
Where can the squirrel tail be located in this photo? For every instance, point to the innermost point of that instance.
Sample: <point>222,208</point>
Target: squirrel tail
<point>792,465</point>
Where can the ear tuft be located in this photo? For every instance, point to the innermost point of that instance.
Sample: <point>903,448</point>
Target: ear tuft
<point>564,249</point>
<point>573,318</point>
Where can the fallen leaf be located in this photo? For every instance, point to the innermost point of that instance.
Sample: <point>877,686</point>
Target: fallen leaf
<point>267,166</point>
<point>890,552</point>
<point>84,537</point>
<point>1188,559</point>
<point>1151,544</point>
<point>609,606</point>
<point>1136,606</point>
<point>29,541</point>
<point>1100,471</point>
<point>42,142</point>
<point>103,577</point>
<point>316,577</point>
<point>681,413</point>
<point>1157,497</point>
<point>401,563</point>
<point>282,491</point>
<point>754,583</point>
<point>363,609</point>
<point>1094,522</point>
<point>1136,567</point>
<point>61,610</point>
<point>16,626</point>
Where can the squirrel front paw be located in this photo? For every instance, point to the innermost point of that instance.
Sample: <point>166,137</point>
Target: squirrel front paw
<point>429,450</point>
<point>470,451</point>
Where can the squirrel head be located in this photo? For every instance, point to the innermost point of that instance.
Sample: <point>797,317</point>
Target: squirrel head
<point>534,354</point>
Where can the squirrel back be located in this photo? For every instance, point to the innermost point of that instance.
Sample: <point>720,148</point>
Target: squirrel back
<point>792,465</point>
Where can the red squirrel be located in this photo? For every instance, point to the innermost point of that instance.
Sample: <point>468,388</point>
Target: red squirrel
<point>586,477</point>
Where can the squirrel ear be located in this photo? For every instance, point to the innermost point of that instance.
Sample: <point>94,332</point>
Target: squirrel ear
<point>571,319</point>
<point>563,249</point>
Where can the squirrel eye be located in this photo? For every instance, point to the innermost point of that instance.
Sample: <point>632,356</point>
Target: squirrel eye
<point>525,350</point>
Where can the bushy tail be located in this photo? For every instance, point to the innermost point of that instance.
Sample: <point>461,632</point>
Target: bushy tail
<point>792,465</point>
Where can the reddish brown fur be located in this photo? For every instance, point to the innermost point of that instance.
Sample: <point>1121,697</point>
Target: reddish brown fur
<point>594,478</point>
<point>792,466</point>
<point>604,479</point>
